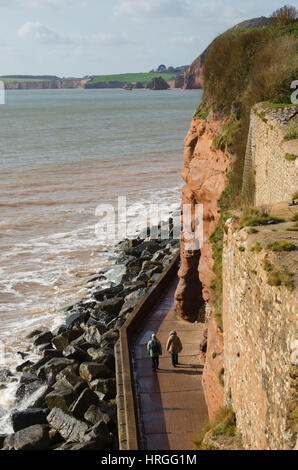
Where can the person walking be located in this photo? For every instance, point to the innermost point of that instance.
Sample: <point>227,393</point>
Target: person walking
<point>174,346</point>
<point>154,350</point>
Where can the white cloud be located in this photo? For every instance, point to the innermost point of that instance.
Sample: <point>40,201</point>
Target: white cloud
<point>140,10</point>
<point>34,30</point>
<point>43,3</point>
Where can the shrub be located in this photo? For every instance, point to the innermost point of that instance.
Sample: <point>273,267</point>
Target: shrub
<point>281,245</point>
<point>284,16</point>
<point>290,157</point>
<point>295,217</point>
<point>281,278</point>
<point>292,133</point>
<point>254,217</point>
<point>224,423</point>
<point>262,65</point>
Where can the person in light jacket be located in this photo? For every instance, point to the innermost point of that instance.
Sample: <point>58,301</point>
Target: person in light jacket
<point>154,350</point>
<point>174,346</point>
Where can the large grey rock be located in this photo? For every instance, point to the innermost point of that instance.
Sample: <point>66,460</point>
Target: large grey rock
<point>76,318</point>
<point>93,333</point>
<point>132,299</point>
<point>50,370</point>
<point>60,399</point>
<point>25,418</point>
<point>76,353</point>
<point>32,438</point>
<point>68,380</point>
<point>70,428</point>
<point>91,370</point>
<point>106,386</point>
<point>105,294</point>
<point>80,406</point>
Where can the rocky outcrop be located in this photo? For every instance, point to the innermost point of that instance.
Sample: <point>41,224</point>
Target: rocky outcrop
<point>158,83</point>
<point>205,173</point>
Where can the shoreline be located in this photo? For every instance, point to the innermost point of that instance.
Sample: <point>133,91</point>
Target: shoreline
<point>73,381</point>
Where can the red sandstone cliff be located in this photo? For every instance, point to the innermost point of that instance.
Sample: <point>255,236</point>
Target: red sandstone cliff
<point>205,173</point>
<point>46,84</point>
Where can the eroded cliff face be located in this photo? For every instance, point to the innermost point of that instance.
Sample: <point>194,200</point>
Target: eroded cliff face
<point>205,174</point>
<point>46,84</point>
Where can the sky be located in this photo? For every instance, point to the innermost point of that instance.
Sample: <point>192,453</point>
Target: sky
<point>74,38</point>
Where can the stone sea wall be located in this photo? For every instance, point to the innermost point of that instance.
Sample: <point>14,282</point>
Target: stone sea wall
<point>259,351</point>
<point>268,174</point>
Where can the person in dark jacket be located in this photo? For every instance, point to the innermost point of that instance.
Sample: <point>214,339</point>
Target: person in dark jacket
<point>154,350</point>
<point>174,346</point>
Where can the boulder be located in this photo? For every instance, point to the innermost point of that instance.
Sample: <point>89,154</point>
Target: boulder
<point>132,299</point>
<point>106,310</point>
<point>60,399</point>
<point>103,356</point>
<point>76,318</point>
<point>32,438</point>
<point>108,293</point>
<point>91,370</point>
<point>76,353</point>
<point>93,333</point>
<point>68,380</point>
<point>43,338</point>
<point>25,365</point>
<point>80,406</point>
<point>50,370</point>
<point>69,427</point>
<point>2,439</point>
<point>29,417</point>
<point>100,433</point>
<point>27,378</point>
<point>51,353</point>
<point>106,386</point>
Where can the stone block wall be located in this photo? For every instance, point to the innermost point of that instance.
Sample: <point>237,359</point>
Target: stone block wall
<point>259,347</point>
<point>269,177</point>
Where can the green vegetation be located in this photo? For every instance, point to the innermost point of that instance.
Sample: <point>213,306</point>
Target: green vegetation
<point>241,248</point>
<point>214,355</point>
<point>295,196</point>
<point>257,248</point>
<point>221,376</point>
<point>228,135</point>
<point>278,277</point>
<point>216,284</point>
<point>199,114</point>
<point>254,217</point>
<point>262,63</point>
<point>131,77</point>
<point>291,157</point>
<point>224,424</point>
<point>295,217</point>
<point>281,245</point>
<point>292,133</point>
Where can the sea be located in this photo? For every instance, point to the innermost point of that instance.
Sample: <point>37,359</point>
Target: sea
<point>63,154</point>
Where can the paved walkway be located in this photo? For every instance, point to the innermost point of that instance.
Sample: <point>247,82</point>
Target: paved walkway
<point>171,402</point>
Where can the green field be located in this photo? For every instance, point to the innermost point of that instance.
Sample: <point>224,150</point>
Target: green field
<point>131,77</point>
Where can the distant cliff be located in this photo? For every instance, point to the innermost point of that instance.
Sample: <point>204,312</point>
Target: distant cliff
<point>19,84</point>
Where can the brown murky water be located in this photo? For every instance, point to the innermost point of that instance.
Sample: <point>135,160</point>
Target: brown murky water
<point>63,152</point>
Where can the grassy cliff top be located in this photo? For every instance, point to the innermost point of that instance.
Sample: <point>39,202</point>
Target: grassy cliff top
<point>131,77</point>
<point>241,69</point>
